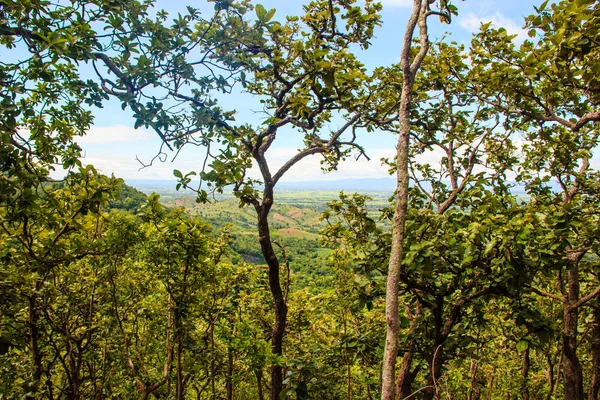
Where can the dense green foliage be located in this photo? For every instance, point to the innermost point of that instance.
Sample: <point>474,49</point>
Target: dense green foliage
<point>108,293</point>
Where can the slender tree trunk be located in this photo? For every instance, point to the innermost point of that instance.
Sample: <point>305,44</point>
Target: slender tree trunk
<point>550,379</point>
<point>431,392</point>
<point>75,362</point>
<point>178,332</point>
<point>348,362</point>
<point>473,374</point>
<point>394,269</point>
<point>179,391</point>
<point>525,374</point>
<point>34,336</point>
<point>409,70</point>
<point>407,375</point>
<point>406,378</point>
<point>348,381</point>
<point>491,386</point>
<point>229,382</point>
<point>264,237</point>
<point>573,375</point>
<point>259,386</point>
<point>213,366</point>
<point>595,381</point>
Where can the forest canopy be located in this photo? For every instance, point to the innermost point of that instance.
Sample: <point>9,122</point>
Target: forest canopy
<point>479,279</point>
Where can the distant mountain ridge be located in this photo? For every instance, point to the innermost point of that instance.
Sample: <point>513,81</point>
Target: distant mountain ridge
<point>365,185</point>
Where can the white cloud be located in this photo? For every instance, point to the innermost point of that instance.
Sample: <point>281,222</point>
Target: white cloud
<point>309,169</point>
<point>397,3</point>
<point>128,167</point>
<point>472,23</point>
<point>112,134</point>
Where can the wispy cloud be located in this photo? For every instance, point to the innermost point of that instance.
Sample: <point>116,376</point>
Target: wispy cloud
<point>309,169</point>
<point>112,134</point>
<point>472,22</point>
<point>397,3</point>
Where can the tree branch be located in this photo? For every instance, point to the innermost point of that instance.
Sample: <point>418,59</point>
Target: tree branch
<point>295,159</point>
<point>573,307</point>
<point>547,294</point>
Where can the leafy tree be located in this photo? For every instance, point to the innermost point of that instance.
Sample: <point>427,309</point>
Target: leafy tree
<point>96,300</point>
<point>552,95</point>
<point>409,65</point>
<point>44,102</point>
<point>44,230</point>
<point>468,258</point>
<point>302,70</point>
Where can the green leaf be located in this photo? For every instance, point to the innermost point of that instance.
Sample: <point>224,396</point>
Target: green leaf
<point>286,392</point>
<point>522,345</point>
<point>404,322</point>
<point>329,79</point>
<point>302,391</point>
<point>270,15</point>
<point>261,12</point>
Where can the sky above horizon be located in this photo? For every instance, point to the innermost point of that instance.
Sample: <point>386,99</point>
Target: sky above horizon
<point>112,145</point>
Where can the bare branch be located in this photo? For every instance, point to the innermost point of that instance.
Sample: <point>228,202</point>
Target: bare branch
<point>589,117</point>
<point>584,300</point>
<point>547,294</point>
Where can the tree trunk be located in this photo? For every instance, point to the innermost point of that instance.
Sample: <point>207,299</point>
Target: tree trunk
<point>394,269</point>
<point>259,386</point>
<point>179,391</point>
<point>213,356</point>
<point>525,374</point>
<point>75,362</point>
<point>264,237</point>
<point>573,376</point>
<point>491,386</point>
<point>431,391</point>
<point>473,381</point>
<point>595,381</point>
<point>348,381</point>
<point>409,70</point>
<point>229,382</point>
<point>34,337</point>
<point>406,378</point>
<point>550,374</point>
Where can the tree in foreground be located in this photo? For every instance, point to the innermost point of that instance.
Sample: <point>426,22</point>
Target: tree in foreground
<point>302,71</point>
<point>410,63</point>
<point>549,87</point>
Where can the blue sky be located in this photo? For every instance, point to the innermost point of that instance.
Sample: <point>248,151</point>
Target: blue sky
<point>112,145</point>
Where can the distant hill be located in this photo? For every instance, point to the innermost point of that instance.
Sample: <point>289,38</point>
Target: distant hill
<point>383,185</point>
<point>151,183</point>
<point>350,185</point>
<point>288,218</point>
<point>129,199</point>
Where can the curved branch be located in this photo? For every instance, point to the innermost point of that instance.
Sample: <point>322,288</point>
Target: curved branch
<point>295,159</point>
<point>584,300</point>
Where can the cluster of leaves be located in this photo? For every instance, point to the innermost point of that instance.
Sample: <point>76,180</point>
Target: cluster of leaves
<point>482,269</point>
<point>77,313</point>
<point>472,245</point>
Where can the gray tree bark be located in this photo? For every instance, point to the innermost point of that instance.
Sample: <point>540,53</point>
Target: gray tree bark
<point>409,71</point>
